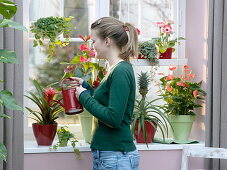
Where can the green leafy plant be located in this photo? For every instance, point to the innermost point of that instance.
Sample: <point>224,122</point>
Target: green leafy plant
<point>163,42</point>
<point>8,10</point>
<point>147,110</point>
<point>181,94</point>
<point>48,109</point>
<point>64,135</point>
<point>149,51</point>
<point>50,28</point>
<point>85,65</point>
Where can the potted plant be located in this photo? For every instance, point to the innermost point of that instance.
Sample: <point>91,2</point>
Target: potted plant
<point>86,66</point>
<point>45,127</point>
<point>8,10</point>
<point>47,32</point>
<point>147,116</point>
<point>181,95</point>
<point>163,43</point>
<point>64,136</point>
<point>148,51</point>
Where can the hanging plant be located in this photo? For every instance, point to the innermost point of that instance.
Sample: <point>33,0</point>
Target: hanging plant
<point>47,31</point>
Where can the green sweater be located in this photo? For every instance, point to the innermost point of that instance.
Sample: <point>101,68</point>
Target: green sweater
<point>113,104</point>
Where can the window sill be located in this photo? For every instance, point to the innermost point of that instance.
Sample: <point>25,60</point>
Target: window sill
<point>32,147</point>
<point>162,62</point>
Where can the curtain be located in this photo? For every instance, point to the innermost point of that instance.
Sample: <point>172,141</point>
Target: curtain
<point>216,113</point>
<point>11,130</point>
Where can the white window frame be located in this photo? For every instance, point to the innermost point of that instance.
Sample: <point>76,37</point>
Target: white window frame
<point>101,10</point>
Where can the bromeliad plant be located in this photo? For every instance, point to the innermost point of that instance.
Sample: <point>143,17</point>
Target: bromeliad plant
<point>64,135</point>
<point>163,42</point>
<point>48,109</point>
<point>85,65</point>
<point>148,111</point>
<point>50,29</point>
<point>181,94</point>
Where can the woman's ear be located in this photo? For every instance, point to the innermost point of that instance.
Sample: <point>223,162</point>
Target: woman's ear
<point>108,41</point>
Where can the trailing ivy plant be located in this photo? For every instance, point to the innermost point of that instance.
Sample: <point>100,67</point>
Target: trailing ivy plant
<point>7,10</point>
<point>50,29</point>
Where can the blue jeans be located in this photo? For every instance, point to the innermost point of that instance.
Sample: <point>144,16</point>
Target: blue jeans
<point>114,160</point>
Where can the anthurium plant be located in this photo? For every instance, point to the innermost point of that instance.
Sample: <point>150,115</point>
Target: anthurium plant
<point>64,135</point>
<point>181,93</point>
<point>48,109</point>
<point>8,9</point>
<point>50,29</point>
<point>163,42</point>
<point>85,65</point>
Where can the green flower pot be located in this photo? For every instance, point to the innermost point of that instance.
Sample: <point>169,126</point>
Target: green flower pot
<point>182,125</point>
<point>87,125</point>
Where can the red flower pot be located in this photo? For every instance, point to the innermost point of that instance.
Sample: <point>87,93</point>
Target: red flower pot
<point>150,132</point>
<point>140,56</point>
<point>167,54</point>
<point>44,134</point>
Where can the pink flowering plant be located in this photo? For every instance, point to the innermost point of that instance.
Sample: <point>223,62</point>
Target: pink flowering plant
<point>85,65</point>
<point>181,94</point>
<point>163,42</point>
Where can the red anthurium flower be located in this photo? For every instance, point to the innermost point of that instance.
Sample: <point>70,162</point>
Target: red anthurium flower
<point>160,24</point>
<point>191,75</point>
<point>186,70</point>
<point>138,31</point>
<point>83,59</point>
<point>181,84</point>
<point>160,73</point>
<point>186,78</point>
<point>49,95</point>
<point>169,88</point>
<point>171,68</point>
<point>185,66</point>
<point>91,53</point>
<point>169,77</point>
<point>84,47</point>
<point>167,29</point>
<point>195,93</point>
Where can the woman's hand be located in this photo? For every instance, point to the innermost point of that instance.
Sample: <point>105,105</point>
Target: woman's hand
<point>78,91</point>
<point>73,81</point>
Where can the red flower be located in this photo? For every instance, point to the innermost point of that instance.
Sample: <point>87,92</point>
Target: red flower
<point>185,66</point>
<point>186,70</point>
<point>169,88</point>
<point>91,53</point>
<point>160,24</point>
<point>49,95</point>
<point>171,68</point>
<point>191,75</point>
<point>85,38</point>
<point>84,47</point>
<point>167,29</point>
<point>83,59</point>
<point>169,77</point>
<point>138,31</point>
<point>195,93</point>
<point>160,73</point>
<point>182,84</point>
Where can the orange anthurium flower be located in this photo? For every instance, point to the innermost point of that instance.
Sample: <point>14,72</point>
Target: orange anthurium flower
<point>185,66</point>
<point>181,84</point>
<point>186,70</point>
<point>169,88</point>
<point>191,75</point>
<point>160,73</point>
<point>195,93</point>
<point>186,78</point>
<point>171,68</point>
<point>169,77</point>
<point>84,47</point>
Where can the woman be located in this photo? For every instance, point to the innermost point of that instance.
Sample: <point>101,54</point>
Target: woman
<point>112,102</point>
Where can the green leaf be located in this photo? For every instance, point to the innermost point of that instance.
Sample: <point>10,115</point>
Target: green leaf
<point>1,81</point>
<point>7,8</point>
<point>75,60</point>
<point>7,56</point>
<point>4,116</point>
<point>3,152</point>
<point>9,101</point>
<point>12,24</point>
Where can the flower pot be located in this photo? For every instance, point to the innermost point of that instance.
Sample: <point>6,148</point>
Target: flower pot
<point>150,132</point>
<point>167,54</point>
<point>44,134</point>
<point>87,125</point>
<point>140,56</point>
<point>182,125</point>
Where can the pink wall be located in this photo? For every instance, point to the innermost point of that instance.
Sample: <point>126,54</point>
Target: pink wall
<point>196,52</point>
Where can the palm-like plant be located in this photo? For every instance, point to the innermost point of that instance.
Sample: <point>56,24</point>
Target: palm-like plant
<point>147,111</point>
<point>48,109</point>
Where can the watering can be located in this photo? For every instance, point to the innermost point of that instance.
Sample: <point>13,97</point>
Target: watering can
<point>70,102</point>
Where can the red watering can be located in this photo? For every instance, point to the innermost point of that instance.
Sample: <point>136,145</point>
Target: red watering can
<point>70,102</point>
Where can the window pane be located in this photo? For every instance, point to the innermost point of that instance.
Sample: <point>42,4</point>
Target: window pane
<point>143,14</point>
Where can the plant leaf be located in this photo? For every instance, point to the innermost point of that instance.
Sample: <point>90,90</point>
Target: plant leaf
<point>3,152</point>
<point>12,24</point>
<point>7,56</point>
<point>9,101</point>
<point>7,8</point>
<point>4,116</point>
